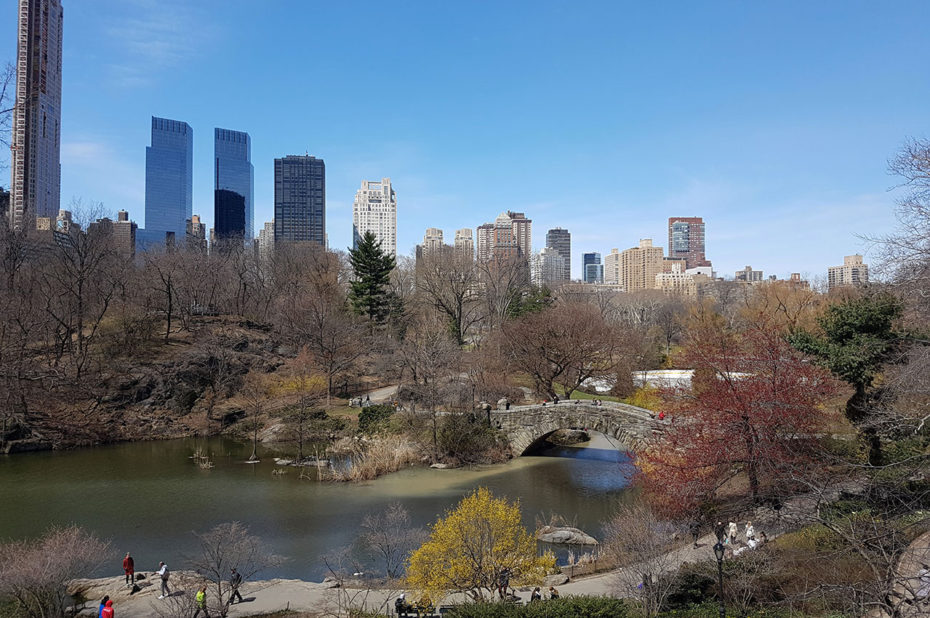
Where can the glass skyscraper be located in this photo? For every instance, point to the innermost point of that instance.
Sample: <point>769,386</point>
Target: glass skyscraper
<point>592,270</point>
<point>169,188</point>
<point>300,199</point>
<point>234,185</point>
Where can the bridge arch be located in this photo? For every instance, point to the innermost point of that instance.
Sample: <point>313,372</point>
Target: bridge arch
<point>524,425</point>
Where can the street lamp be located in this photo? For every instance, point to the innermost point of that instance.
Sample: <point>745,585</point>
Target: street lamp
<point>718,552</point>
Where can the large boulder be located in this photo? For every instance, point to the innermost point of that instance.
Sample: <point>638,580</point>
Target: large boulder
<point>564,536</point>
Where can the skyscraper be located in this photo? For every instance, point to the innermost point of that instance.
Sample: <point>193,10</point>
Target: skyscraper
<point>169,188</point>
<point>35,185</point>
<point>233,193</point>
<point>547,267</point>
<point>464,245</point>
<point>509,236</point>
<point>561,241</point>
<point>686,240</point>
<point>375,211</point>
<point>592,270</point>
<point>300,200</point>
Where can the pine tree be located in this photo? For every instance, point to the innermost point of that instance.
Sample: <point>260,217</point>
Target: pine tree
<point>372,269</point>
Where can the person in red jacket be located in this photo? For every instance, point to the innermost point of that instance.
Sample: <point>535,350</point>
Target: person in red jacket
<point>129,566</point>
<point>108,611</point>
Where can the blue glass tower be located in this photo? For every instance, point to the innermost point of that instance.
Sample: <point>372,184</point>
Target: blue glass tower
<point>169,188</point>
<point>233,194</point>
<point>592,269</point>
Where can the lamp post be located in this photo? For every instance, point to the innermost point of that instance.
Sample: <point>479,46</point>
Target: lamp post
<point>718,552</point>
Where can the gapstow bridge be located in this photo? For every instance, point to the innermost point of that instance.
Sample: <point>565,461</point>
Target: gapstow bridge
<point>525,425</point>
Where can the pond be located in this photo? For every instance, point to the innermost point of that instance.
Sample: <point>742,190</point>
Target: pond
<point>150,498</point>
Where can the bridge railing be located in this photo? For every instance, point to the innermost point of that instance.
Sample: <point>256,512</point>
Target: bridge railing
<point>604,406</point>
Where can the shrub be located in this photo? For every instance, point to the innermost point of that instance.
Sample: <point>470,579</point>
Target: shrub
<point>568,607</point>
<point>33,574</point>
<point>373,419</point>
<point>645,397</point>
<point>465,439</point>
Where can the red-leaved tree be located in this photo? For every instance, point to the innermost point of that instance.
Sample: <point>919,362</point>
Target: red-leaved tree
<point>752,413</point>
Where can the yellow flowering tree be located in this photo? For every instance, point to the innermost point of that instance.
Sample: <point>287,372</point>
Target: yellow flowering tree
<point>469,548</point>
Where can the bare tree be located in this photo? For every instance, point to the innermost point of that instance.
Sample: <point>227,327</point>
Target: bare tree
<point>640,542</point>
<point>225,547</point>
<point>449,282</point>
<point>389,538</point>
<point>567,344</point>
<point>35,574</point>
<point>503,280</point>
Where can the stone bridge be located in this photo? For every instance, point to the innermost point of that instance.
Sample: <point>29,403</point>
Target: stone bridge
<point>524,425</point>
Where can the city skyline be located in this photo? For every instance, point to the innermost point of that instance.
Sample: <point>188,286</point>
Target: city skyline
<point>767,122</point>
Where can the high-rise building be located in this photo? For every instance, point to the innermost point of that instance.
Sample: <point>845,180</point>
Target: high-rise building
<point>612,267</point>
<point>464,245</point>
<point>432,241</point>
<point>686,240</point>
<point>35,184</point>
<point>169,171</point>
<point>375,211</point>
<point>300,200</point>
<point>640,265</point>
<point>485,236</point>
<point>196,234</point>
<point>561,241</point>
<point>266,240</point>
<point>509,236</point>
<point>547,267</point>
<point>748,275</point>
<point>853,272</point>
<point>123,231</point>
<point>592,269</point>
<point>234,178</point>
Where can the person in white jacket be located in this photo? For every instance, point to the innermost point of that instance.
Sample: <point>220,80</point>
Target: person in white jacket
<point>750,532</point>
<point>734,530</point>
<point>164,573</point>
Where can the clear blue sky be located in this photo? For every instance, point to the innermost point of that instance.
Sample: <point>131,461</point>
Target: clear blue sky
<point>774,121</point>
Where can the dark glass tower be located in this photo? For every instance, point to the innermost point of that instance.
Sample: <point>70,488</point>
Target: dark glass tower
<point>300,199</point>
<point>169,189</point>
<point>233,194</point>
<point>592,270</point>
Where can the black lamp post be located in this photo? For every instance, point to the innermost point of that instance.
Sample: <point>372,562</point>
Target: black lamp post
<point>718,552</point>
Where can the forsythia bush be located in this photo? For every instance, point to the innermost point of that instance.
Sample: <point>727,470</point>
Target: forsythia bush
<point>470,547</point>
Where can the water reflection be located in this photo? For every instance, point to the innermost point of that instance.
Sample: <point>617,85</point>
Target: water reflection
<point>150,497</point>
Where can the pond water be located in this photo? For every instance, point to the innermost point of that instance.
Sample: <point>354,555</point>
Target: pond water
<point>150,498</point>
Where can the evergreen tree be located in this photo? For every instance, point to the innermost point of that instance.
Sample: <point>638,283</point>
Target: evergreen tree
<point>372,268</point>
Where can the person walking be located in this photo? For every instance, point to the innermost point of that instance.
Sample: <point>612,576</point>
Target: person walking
<point>734,531</point>
<point>235,580</point>
<point>129,567</point>
<point>164,573</point>
<point>107,611</point>
<point>720,531</point>
<point>695,529</point>
<point>503,582</point>
<point>200,601</point>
